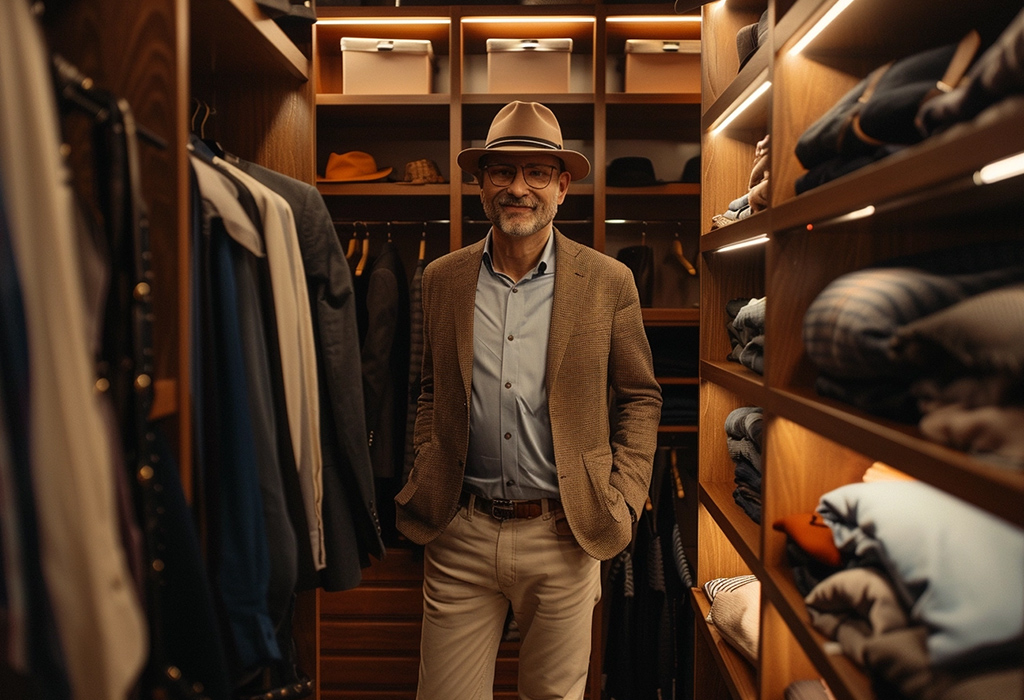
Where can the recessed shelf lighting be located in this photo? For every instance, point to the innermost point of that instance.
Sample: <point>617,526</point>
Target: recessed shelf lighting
<point>530,20</point>
<point>814,31</point>
<point>659,18</point>
<point>756,240</point>
<point>386,20</point>
<point>862,213</point>
<point>742,107</point>
<point>1000,170</point>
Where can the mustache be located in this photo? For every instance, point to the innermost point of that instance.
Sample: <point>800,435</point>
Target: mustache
<point>514,202</point>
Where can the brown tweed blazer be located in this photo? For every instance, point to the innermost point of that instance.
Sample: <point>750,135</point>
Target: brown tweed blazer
<point>604,401</point>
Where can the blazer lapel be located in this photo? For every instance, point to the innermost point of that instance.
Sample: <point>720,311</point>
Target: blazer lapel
<point>570,283</point>
<point>464,303</point>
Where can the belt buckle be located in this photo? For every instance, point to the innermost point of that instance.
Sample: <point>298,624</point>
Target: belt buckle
<point>502,509</point>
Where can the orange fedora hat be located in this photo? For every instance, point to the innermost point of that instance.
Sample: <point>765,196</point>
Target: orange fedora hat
<point>353,166</point>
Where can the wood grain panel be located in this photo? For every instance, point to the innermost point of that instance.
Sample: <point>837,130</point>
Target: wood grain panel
<point>737,673</point>
<point>800,466</point>
<point>393,672</point>
<point>131,51</point>
<point>811,89</point>
<point>716,555</point>
<point>377,601</point>
<point>721,22</point>
<point>781,657</point>
<point>373,635</point>
<point>734,274</point>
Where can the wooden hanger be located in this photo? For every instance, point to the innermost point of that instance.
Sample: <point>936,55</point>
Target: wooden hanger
<point>353,243</point>
<point>677,250</point>
<point>195,113</point>
<point>361,265</point>
<point>214,145</point>
<point>674,461</point>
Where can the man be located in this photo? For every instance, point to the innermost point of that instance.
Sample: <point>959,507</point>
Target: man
<point>535,430</point>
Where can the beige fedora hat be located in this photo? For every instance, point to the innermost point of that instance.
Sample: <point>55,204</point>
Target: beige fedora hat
<point>522,128</point>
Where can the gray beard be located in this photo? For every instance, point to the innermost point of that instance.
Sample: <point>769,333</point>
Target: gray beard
<point>543,215</point>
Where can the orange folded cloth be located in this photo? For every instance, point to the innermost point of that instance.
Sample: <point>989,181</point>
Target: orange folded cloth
<point>812,534</point>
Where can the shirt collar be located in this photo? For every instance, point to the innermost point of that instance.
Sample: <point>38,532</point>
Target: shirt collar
<point>546,264</point>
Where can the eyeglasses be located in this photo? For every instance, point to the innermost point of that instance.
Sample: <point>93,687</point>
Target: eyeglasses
<point>537,176</point>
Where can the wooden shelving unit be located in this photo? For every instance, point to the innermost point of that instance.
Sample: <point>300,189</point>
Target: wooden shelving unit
<point>924,199</point>
<point>597,118</point>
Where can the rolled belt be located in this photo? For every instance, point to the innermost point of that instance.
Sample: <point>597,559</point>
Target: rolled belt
<point>504,509</point>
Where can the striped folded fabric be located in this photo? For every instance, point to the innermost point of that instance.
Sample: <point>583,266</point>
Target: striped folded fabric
<point>731,583</point>
<point>808,690</point>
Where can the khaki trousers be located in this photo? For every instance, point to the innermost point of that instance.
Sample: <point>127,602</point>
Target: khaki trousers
<point>472,572</point>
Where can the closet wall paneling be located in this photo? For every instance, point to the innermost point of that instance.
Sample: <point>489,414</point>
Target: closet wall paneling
<point>134,51</point>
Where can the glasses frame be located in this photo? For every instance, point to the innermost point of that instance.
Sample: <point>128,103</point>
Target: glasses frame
<point>552,171</point>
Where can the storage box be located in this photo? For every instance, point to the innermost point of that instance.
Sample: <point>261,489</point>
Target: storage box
<point>528,65</point>
<point>656,65</point>
<point>386,66</point>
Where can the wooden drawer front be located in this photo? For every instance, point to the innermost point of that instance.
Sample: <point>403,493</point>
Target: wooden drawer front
<point>384,672</point>
<point>369,636</point>
<point>381,601</point>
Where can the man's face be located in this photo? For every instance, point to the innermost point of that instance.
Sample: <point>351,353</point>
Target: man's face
<point>527,195</point>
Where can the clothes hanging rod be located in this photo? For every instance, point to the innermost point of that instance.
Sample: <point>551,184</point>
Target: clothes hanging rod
<point>591,221</point>
<point>645,221</point>
<point>486,222</point>
<point>417,222</point>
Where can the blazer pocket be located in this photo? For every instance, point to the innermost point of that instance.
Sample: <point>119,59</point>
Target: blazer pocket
<point>598,464</point>
<point>408,491</point>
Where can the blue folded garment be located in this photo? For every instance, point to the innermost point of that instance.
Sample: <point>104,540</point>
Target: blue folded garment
<point>959,569</point>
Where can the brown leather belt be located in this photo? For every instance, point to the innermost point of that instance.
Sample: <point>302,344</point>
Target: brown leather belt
<point>503,509</point>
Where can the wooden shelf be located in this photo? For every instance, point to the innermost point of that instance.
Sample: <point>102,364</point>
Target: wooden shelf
<point>671,317</point>
<point>998,490</point>
<point>241,23</point>
<point>736,378</point>
<point>381,189</point>
<point>677,428</point>
<point>740,676</point>
<point>678,381</point>
<point>846,680</point>
<point>388,101</point>
<point>743,532</point>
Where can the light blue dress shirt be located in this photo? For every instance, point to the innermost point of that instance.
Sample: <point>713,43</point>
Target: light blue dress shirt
<point>511,454</point>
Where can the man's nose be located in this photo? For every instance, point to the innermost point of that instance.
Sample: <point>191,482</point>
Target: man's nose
<point>518,185</point>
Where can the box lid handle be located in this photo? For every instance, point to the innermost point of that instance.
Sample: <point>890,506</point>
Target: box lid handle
<point>386,45</point>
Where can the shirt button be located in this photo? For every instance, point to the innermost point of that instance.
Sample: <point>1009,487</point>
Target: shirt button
<point>510,337</point>
<point>510,483</point>
<point>515,290</point>
<point>508,385</point>
<point>508,436</point>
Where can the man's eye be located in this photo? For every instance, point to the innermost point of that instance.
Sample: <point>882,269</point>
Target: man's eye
<point>537,172</point>
<point>503,172</point>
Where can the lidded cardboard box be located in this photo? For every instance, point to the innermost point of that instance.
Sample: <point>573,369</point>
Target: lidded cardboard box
<point>528,65</point>
<point>386,66</point>
<point>662,65</point>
